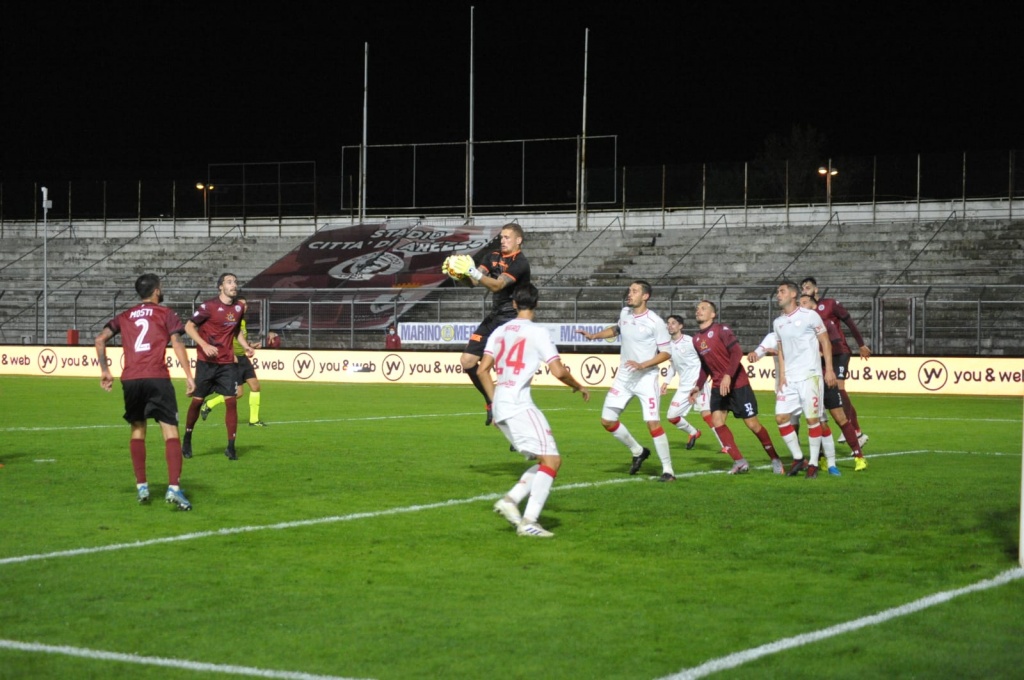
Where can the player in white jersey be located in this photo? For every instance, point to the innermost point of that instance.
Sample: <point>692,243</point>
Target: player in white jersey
<point>515,351</point>
<point>684,362</point>
<point>802,341</point>
<point>644,345</point>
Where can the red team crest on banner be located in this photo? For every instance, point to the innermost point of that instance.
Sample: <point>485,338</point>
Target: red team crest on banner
<point>365,256</point>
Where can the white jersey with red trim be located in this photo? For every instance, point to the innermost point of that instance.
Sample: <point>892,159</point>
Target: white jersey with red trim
<point>685,362</point>
<point>798,333</point>
<point>642,337</point>
<point>518,347</point>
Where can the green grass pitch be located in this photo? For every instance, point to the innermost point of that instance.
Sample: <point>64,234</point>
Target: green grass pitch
<point>354,538</point>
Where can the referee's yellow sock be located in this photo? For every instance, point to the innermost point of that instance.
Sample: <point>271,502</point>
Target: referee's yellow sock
<point>254,407</point>
<point>217,400</point>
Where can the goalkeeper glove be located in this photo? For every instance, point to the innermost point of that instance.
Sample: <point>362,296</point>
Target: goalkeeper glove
<point>464,265</point>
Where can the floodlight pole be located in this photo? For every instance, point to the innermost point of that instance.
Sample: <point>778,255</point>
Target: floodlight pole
<point>47,204</point>
<point>469,151</point>
<point>362,154</point>
<point>581,218</point>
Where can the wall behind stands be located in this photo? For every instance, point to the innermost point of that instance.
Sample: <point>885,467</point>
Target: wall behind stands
<point>990,376</point>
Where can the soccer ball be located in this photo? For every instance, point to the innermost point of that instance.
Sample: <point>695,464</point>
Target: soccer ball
<point>448,271</point>
<point>273,340</point>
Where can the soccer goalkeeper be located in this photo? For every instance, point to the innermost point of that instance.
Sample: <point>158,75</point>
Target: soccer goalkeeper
<point>500,272</point>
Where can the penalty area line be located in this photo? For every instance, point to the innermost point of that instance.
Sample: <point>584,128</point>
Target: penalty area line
<point>739,658</point>
<point>98,655</point>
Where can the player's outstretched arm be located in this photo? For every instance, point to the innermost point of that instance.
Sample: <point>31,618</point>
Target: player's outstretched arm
<point>560,372</point>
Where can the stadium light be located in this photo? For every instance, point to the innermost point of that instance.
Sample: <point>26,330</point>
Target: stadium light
<point>828,172</point>
<point>206,189</point>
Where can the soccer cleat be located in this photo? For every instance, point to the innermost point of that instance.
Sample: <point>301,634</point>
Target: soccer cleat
<point>812,472</point>
<point>230,453</point>
<point>205,412</point>
<point>862,439</point>
<point>144,493</point>
<point>834,471</point>
<point>258,423</point>
<point>532,529</point>
<point>178,498</point>
<point>186,448</point>
<point>842,439</point>
<point>667,477</point>
<point>740,467</point>
<point>490,417</point>
<point>777,467</point>
<point>638,461</point>
<point>508,510</point>
<point>693,440</point>
<point>860,464</point>
<point>797,467</point>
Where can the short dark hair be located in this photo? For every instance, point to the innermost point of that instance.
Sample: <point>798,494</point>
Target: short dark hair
<point>714,307</point>
<point>146,284</point>
<point>791,285</point>
<point>644,285</point>
<point>811,280</point>
<point>678,318</point>
<point>525,296</point>
<point>809,297</point>
<point>514,226</point>
<point>220,279</point>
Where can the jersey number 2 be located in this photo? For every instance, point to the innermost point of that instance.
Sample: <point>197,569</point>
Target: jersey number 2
<point>140,342</point>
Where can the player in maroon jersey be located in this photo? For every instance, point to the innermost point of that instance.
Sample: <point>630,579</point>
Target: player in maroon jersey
<point>146,329</point>
<point>829,308</point>
<point>720,356</point>
<point>214,326</point>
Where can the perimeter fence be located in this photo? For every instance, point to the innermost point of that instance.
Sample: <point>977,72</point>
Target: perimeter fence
<point>512,176</point>
<point>940,320</point>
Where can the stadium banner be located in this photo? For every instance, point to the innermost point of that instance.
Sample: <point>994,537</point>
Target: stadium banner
<point>348,258</point>
<point>977,376</point>
<point>457,333</point>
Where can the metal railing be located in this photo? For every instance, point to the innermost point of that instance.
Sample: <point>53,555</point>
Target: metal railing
<point>414,189</point>
<point>894,319</point>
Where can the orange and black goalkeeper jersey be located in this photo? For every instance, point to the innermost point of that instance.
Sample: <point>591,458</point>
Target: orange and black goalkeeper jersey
<point>515,266</point>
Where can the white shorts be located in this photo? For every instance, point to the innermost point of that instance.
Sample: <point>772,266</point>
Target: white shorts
<point>528,431</point>
<point>645,389</point>
<point>703,402</point>
<point>804,396</point>
<point>680,404</point>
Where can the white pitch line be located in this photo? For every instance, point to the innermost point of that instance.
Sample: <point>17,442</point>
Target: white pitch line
<point>71,428</point>
<point>707,668</point>
<point>75,552</point>
<point>291,525</point>
<point>161,661</point>
<point>739,658</point>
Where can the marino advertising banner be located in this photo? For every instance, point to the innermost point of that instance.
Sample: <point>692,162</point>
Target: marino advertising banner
<point>458,332</point>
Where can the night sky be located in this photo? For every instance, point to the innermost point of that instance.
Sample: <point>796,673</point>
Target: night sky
<point>119,90</point>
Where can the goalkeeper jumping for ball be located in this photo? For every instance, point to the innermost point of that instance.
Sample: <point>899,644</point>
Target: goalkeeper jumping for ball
<point>500,272</point>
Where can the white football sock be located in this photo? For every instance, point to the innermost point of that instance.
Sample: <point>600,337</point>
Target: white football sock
<point>538,496</point>
<point>522,488</point>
